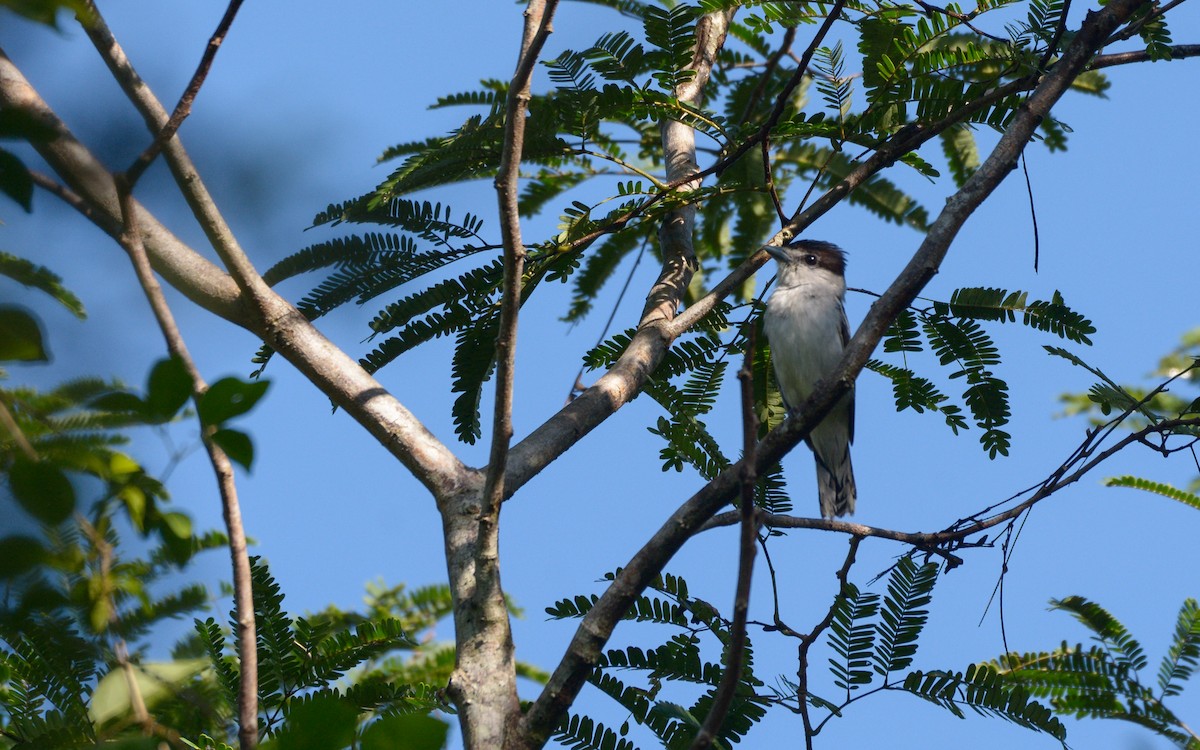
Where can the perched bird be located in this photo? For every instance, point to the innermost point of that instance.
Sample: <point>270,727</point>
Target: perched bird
<point>807,327</point>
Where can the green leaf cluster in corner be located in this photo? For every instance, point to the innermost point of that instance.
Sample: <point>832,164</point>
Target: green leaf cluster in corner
<point>1104,681</point>
<point>304,660</point>
<point>677,661</point>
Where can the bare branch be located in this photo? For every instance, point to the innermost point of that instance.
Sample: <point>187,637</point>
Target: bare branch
<point>184,107</point>
<point>247,640</point>
<point>184,268</point>
<point>1178,52</point>
<point>807,640</point>
<point>736,648</point>
<point>483,684</point>
<point>538,26</point>
<point>955,535</point>
<point>245,299</point>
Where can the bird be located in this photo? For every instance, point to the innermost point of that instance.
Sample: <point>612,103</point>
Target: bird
<point>805,323</point>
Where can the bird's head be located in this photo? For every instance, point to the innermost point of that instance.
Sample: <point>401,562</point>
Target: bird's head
<point>809,262</point>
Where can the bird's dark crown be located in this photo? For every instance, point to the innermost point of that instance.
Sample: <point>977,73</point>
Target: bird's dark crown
<point>816,253</point>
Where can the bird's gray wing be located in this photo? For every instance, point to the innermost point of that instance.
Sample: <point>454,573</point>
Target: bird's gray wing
<point>844,333</point>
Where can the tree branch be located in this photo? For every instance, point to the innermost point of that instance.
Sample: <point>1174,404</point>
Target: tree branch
<point>483,684</point>
<point>1178,52</point>
<point>597,626</point>
<point>283,327</point>
<point>185,269</point>
<point>736,648</point>
<point>247,640</point>
<point>538,26</point>
<point>937,542</point>
<point>184,107</point>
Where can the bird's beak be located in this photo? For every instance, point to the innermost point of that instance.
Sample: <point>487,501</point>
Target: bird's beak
<point>778,253</point>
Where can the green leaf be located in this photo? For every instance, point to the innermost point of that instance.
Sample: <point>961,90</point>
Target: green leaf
<point>20,336</point>
<point>903,614</point>
<point>155,681</point>
<point>1158,488</point>
<point>237,445</point>
<point>1110,631</point>
<point>852,637</point>
<point>405,732</point>
<point>15,181</point>
<point>167,389</point>
<point>30,274</point>
<point>228,398</point>
<point>18,554</point>
<point>46,11</point>
<point>320,723</point>
<point>119,401</point>
<point>43,490</point>
<point>178,524</point>
<point>1183,656</point>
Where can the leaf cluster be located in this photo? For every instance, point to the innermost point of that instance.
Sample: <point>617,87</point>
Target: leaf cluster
<point>955,334</point>
<point>677,661</point>
<point>1104,681</point>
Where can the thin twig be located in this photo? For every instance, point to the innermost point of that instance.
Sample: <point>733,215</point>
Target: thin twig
<point>806,642</point>
<point>1037,245</point>
<point>247,641</point>
<point>956,535</point>
<point>1060,28</point>
<point>538,27</point>
<point>764,78</point>
<point>184,107</point>
<point>963,18</point>
<point>736,648</point>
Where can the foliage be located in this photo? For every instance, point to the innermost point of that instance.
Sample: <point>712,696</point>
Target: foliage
<point>1104,681</point>
<point>1148,406</point>
<point>431,271</point>
<point>694,624</point>
<point>82,609</point>
<point>597,126</point>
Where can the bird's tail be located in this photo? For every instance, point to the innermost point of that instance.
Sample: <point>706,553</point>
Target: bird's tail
<point>835,485</point>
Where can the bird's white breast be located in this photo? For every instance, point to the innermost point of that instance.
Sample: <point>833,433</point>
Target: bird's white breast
<point>804,326</point>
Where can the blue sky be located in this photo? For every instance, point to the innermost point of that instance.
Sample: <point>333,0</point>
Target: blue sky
<point>304,97</point>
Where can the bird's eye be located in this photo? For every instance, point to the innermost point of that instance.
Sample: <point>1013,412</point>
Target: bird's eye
<point>810,259</point>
